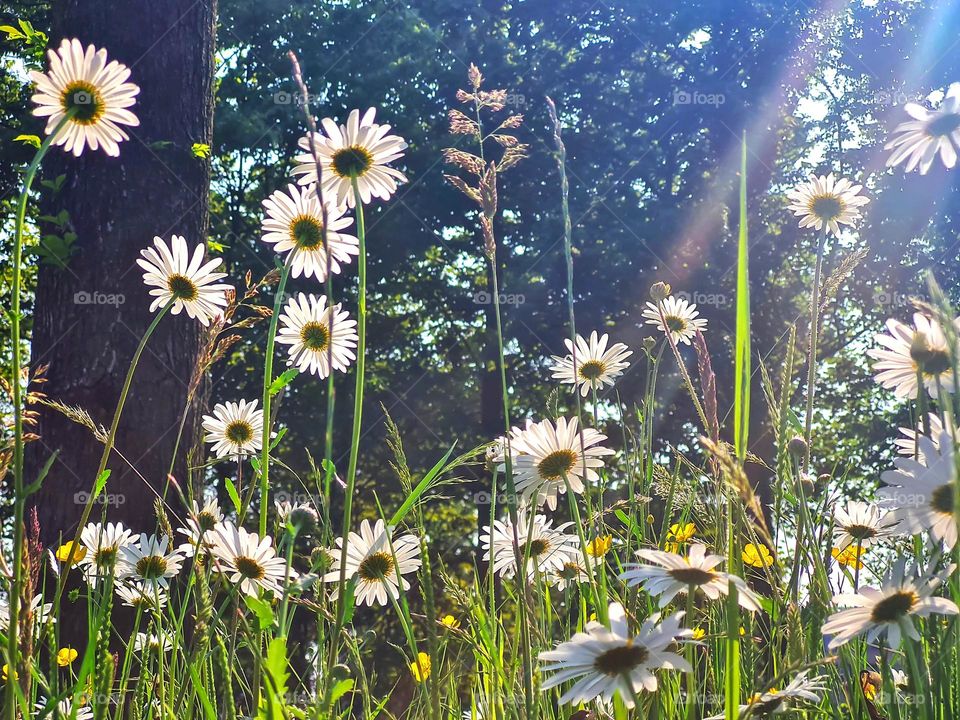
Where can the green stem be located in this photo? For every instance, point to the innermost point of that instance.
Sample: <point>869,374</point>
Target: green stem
<point>19,494</point>
<point>357,402</point>
<point>267,382</point>
<point>812,355</point>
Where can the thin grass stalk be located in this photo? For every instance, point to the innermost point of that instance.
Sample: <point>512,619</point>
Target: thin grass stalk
<point>812,352</point>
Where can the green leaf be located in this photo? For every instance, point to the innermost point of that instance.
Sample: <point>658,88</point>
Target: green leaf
<point>33,140</point>
<point>232,492</point>
<point>282,380</point>
<point>261,609</point>
<point>420,489</point>
<point>741,410</point>
<point>100,483</point>
<point>12,32</point>
<point>200,150</point>
<point>340,689</point>
<point>209,713</point>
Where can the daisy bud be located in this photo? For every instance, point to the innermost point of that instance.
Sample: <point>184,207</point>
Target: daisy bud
<point>649,343</point>
<point>660,291</point>
<point>320,559</point>
<point>304,518</point>
<point>797,446</point>
<point>807,483</point>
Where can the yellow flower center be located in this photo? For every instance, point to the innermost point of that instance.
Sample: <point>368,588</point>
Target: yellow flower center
<point>182,287</point>
<point>943,125</point>
<point>249,568</point>
<point>620,660</point>
<point>942,499</point>
<point>592,369</point>
<point>557,464</point>
<point>376,566</point>
<point>152,567</point>
<point>893,607</point>
<point>351,162</point>
<point>85,100</point>
<point>315,336</point>
<point>306,231</point>
<point>827,207</point>
<point>239,432</point>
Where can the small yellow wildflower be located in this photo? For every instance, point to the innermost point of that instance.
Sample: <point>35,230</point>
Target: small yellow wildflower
<point>599,546</point>
<point>757,556</point>
<point>65,656</point>
<point>450,621</point>
<point>699,633</point>
<point>850,557</point>
<point>420,668</point>
<point>67,550</point>
<point>682,533</point>
<point>6,673</point>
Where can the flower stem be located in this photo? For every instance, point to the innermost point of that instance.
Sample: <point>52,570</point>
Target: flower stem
<point>267,382</point>
<point>812,354</point>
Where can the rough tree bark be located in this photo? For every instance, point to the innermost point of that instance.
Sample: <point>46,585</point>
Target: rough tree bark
<point>116,206</point>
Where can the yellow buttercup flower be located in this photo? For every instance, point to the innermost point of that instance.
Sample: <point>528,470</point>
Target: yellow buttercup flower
<point>65,656</point>
<point>450,621</point>
<point>67,550</point>
<point>682,533</point>
<point>599,546</point>
<point>849,557</point>
<point>699,633</point>
<point>420,668</point>
<point>6,673</point>
<point>757,556</point>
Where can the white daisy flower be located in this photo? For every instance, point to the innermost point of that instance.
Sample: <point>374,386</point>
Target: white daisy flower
<point>360,149</point>
<point>247,560</point>
<point>305,327</point>
<point>609,661</point>
<point>189,282</point>
<point>136,595</point>
<point>547,456</point>
<point>682,321</point>
<point>671,574</point>
<point>294,222</point>
<point>98,92</point>
<point>102,544</point>
<point>151,561</point>
<point>826,201</point>
<point>909,351</point>
<point>547,549</point>
<point>889,609</point>
<point>378,561</point>
<point>152,642</point>
<point>570,575</point>
<point>774,702</point>
<point>301,515</point>
<point>930,132</point>
<point>235,429</point>
<point>64,710</point>
<point>596,365</point>
<point>922,491</point>
<point>907,445</point>
<point>200,520</point>
<point>42,612</point>
<point>863,523</point>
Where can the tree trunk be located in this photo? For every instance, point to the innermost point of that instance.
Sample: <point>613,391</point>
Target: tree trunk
<point>90,316</point>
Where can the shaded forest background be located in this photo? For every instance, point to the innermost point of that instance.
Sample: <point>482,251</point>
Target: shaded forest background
<point>655,98</point>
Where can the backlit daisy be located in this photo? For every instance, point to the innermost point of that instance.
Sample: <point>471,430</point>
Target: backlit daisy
<point>235,429</point>
<point>889,610</point>
<point>826,201</point>
<point>294,222</point>
<point>152,642</point>
<point>909,351</point>
<point>861,523</point>
<point>41,611</point>
<point>96,90</point>
<point>547,549</point>
<point>187,281</point>
<point>570,575</point>
<point>605,662</point>
<point>248,561</point>
<point>774,702</point>
<point>547,457</point>
<point>918,141</point>
<point>135,595</point>
<point>922,491</point>
<point>907,445</point>
<point>667,575</point>
<point>200,521</point>
<point>305,327</point>
<point>596,365</point>
<point>151,561</point>
<point>378,561</point>
<point>680,318</point>
<point>103,544</point>
<point>360,149</point>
